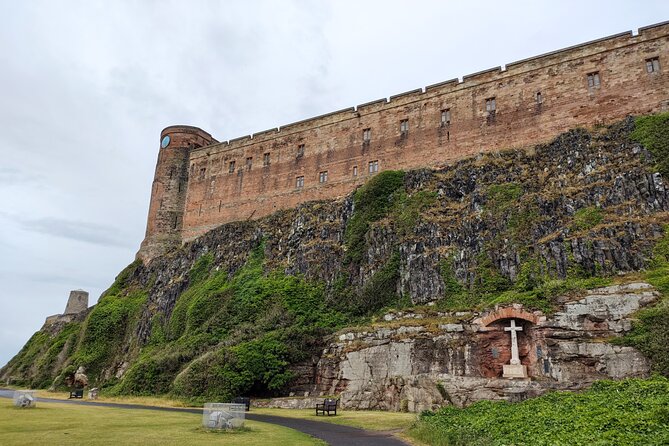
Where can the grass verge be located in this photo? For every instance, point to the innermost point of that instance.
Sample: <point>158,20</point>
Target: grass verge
<point>68,424</point>
<point>374,420</point>
<point>630,412</point>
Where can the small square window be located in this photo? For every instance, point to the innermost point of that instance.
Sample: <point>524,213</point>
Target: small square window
<point>265,159</point>
<point>446,116</point>
<point>490,105</point>
<point>299,182</point>
<point>231,167</point>
<point>366,135</point>
<point>249,163</point>
<point>374,166</point>
<point>593,80</point>
<point>404,126</point>
<point>300,151</point>
<point>323,177</point>
<point>653,65</point>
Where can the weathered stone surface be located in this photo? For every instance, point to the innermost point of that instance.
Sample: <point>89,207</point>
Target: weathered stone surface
<point>403,368</point>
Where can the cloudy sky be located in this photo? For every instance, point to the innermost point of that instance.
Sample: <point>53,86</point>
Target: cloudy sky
<point>87,86</point>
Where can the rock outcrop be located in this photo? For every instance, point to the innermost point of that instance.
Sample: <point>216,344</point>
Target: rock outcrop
<point>418,361</point>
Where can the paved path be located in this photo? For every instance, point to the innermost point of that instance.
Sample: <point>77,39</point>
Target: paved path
<point>333,434</point>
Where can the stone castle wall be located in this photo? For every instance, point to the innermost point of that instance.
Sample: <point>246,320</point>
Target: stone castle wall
<point>534,100</point>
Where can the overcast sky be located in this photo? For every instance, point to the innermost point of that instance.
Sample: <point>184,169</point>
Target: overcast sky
<point>87,86</point>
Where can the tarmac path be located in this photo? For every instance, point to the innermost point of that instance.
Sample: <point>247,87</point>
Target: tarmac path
<point>332,434</point>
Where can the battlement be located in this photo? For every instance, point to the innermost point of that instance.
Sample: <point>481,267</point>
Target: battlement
<point>467,81</point>
<point>519,104</point>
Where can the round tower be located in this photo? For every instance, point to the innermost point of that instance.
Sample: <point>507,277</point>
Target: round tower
<point>170,184</point>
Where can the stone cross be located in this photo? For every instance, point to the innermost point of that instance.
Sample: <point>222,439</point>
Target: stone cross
<point>515,359</point>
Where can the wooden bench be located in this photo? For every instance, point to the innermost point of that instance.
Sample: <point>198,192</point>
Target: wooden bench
<point>77,393</point>
<point>328,406</point>
<point>243,400</point>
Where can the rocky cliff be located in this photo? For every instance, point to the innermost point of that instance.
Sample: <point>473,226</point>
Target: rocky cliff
<point>250,307</point>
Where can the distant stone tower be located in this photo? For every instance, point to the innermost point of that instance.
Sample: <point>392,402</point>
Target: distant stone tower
<point>77,302</point>
<point>168,194</point>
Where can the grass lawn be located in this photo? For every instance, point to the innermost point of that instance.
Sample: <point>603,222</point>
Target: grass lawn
<point>375,420</point>
<point>159,401</point>
<point>65,424</point>
<point>365,419</point>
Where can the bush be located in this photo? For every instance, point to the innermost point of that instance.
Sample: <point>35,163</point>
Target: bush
<point>653,133</point>
<point>372,202</point>
<point>623,413</point>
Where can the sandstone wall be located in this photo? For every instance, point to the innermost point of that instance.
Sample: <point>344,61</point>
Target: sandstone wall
<point>333,143</point>
<point>401,363</point>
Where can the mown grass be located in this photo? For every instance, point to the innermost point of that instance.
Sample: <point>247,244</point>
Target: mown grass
<point>631,412</point>
<point>69,424</point>
<point>364,419</point>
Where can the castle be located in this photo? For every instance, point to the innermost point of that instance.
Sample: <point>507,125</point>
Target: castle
<point>201,183</point>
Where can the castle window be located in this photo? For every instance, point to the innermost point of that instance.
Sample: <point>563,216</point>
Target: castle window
<point>593,80</point>
<point>299,182</point>
<point>355,171</point>
<point>539,98</point>
<point>374,166</point>
<point>366,136</point>
<point>300,151</point>
<point>231,167</point>
<point>265,159</point>
<point>446,117</point>
<point>404,126</point>
<point>203,171</point>
<point>249,163</point>
<point>653,65</point>
<point>490,105</point>
<point>323,177</point>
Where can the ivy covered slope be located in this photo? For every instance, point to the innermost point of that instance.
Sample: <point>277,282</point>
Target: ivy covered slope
<point>248,306</point>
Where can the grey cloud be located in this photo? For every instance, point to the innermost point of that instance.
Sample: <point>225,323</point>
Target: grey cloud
<point>78,230</point>
<point>12,176</point>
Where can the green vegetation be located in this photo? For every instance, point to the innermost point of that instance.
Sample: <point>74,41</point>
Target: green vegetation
<point>407,209</point>
<point>630,412</point>
<point>501,197</point>
<point>71,424</point>
<point>372,202</point>
<point>653,133</point>
<point>587,218</point>
<point>650,332</point>
<point>232,336</point>
<point>533,288</point>
<point>375,420</point>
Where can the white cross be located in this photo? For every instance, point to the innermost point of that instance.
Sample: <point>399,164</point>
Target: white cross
<point>515,359</point>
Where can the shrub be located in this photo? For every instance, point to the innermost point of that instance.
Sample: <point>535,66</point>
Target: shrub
<point>653,132</point>
<point>624,412</point>
<point>372,202</point>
